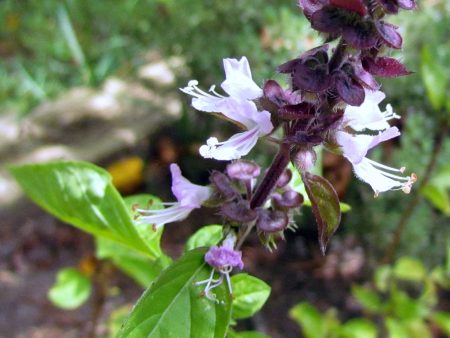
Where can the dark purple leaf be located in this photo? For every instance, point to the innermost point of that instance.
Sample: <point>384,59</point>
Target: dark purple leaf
<point>360,35</point>
<point>312,77</point>
<point>390,6</point>
<point>223,185</point>
<point>407,4</point>
<point>301,111</point>
<point>356,6</point>
<point>349,89</point>
<point>389,34</point>
<point>271,221</point>
<point>273,91</point>
<point>320,52</point>
<point>329,121</point>
<point>315,53</point>
<point>325,206</point>
<point>289,66</point>
<point>287,200</point>
<point>239,212</point>
<point>329,20</point>
<point>305,138</point>
<point>311,6</point>
<point>385,66</point>
<point>364,77</point>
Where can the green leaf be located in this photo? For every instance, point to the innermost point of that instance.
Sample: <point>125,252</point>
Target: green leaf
<point>139,267</point>
<point>406,307</point>
<point>441,276</point>
<point>410,269</point>
<point>367,298</point>
<point>437,190</point>
<point>345,207</point>
<point>249,295</point>
<point>70,290</point>
<point>310,320</point>
<point>382,277</point>
<point>297,185</point>
<point>396,329</point>
<point>325,206</point>
<point>208,235</point>
<point>418,328</point>
<point>438,196</point>
<point>442,319</point>
<point>358,328</point>
<point>81,194</point>
<point>435,79</point>
<point>173,305</point>
<point>151,238</point>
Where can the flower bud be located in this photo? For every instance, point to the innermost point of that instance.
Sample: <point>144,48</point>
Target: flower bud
<point>239,212</point>
<point>284,178</point>
<point>304,158</point>
<point>271,221</point>
<point>287,200</point>
<point>243,170</point>
<point>223,185</point>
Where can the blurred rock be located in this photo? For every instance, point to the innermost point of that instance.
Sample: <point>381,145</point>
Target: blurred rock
<point>161,73</point>
<point>89,124</point>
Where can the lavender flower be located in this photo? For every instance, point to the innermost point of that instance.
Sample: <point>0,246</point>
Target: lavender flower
<point>222,259</point>
<point>356,143</point>
<point>238,107</point>
<point>189,197</point>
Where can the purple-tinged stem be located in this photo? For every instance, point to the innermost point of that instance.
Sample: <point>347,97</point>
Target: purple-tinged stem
<point>279,164</point>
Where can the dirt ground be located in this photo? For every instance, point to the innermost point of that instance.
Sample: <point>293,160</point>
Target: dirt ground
<point>35,246</point>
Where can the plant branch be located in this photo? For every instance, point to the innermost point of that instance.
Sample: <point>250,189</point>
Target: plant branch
<point>279,164</point>
<point>269,181</point>
<point>409,210</point>
<point>101,284</point>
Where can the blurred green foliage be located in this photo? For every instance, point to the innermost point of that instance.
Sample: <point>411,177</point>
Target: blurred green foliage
<point>53,45</point>
<point>404,298</point>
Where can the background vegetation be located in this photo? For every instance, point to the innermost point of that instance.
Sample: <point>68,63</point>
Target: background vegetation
<point>48,47</point>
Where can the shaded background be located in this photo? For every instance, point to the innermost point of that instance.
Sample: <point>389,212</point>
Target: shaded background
<point>98,81</point>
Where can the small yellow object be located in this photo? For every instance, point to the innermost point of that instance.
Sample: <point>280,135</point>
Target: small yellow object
<point>87,266</point>
<point>127,173</point>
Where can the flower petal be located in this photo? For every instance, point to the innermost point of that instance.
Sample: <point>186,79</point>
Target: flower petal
<point>234,148</point>
<point>188,194</point>
<point>244,112</point>
<point>355,147</point>
<point>368,115</point>
<point>239,83</point>
<point>163,216</point>
<point>381,179</point>
<point>223,257</point>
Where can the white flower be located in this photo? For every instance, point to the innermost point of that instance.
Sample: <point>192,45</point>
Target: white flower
<point>189,197</point>
<point>238,107</point>
<point>355,144</point>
